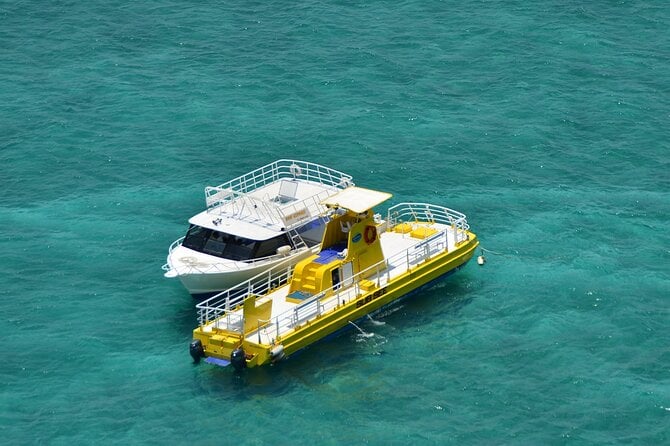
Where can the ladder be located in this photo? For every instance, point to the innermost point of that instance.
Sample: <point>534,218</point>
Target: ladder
<point>296,239</point>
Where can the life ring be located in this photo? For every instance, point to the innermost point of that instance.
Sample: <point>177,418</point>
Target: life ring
<point>295,170</point>
<point>188,260</point>
<point>192,262</point>
<point>370,234</point>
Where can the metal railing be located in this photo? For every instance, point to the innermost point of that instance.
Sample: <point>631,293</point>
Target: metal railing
<point>234,196</point>
<point>280,169</point>
<point>296,214</point>
<point>261,284</point>
<point>424,212</point>
<point>379,273</point>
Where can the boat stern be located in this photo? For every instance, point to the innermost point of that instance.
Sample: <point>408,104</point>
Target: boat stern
<point>235,337</point>
<point>224,348</point>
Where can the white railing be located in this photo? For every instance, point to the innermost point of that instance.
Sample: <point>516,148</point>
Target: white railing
<point>175,244</point>
<point>261,284</point>
<point>283,168</point>
<point>417,212</point>
<point>380,273</point>
<point>295,214</point>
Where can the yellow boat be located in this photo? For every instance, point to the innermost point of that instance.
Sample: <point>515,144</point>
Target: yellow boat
<point>365,264</point>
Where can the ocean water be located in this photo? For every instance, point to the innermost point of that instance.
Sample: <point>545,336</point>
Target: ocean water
<point>547,123</point>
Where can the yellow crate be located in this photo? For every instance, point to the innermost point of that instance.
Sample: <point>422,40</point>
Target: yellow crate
<point>423,232</point>
<point>403,228</point>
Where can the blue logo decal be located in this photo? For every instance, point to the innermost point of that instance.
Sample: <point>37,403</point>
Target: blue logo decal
<point>357,238</point>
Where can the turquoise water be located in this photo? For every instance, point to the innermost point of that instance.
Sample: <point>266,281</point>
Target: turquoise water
<point>546,124</point>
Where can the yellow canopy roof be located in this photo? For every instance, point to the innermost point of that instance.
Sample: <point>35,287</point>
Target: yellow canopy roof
<point>356,199</point>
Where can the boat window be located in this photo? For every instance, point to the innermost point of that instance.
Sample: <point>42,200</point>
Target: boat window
<point>238,248</point>
<point>269,247</point>
<point>218,244</point>
<point>196,237</point>
<point>228,246</point>
<point>215,244</point>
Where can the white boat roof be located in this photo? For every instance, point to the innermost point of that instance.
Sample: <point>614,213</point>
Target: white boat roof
<point>270,200</point>
<point>356,199</point>
<point>254,215</point>
<point>235,226</point>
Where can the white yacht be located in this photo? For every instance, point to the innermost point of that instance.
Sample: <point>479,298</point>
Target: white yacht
<point>253,223</point>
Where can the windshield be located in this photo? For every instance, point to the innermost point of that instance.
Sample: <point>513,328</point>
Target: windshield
<point>228,246</point>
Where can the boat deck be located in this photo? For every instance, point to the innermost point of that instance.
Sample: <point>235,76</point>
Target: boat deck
<point>284,193</point>
<point>280,204</point>
<point>401,251</point>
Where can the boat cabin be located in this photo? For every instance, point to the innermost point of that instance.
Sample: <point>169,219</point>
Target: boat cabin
<point>350,245</point>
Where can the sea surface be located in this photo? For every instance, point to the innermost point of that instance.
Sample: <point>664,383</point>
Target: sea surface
<point>547,123</point>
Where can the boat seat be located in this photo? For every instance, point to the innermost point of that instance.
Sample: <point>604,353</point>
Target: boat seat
<point>403,228</point>
<point>423,232</point>
<point>287,190</point>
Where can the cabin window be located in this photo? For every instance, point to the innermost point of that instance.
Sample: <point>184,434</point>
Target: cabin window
<point>269,247</point>
<point>228,246</point>
<point>238,248</point>
<point>216,243</point>
<point>196,237</point>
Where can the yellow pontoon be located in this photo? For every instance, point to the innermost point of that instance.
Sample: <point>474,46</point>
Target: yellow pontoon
<point>365,263</point>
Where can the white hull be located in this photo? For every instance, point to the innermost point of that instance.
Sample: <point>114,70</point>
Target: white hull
<point>203,279</point>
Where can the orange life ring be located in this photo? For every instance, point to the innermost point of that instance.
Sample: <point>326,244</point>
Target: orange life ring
<point>370,234</point>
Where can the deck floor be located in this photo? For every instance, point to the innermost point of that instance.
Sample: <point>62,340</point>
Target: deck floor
<point>304,190</point>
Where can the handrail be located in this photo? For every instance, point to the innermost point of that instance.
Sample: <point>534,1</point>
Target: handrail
<point>424,212</point>
<point>315,305</point>
<point>270,173</point>
<point>260,284</point>
<point>175,244</point>
<point>425,250</point>
<point>412,212</point>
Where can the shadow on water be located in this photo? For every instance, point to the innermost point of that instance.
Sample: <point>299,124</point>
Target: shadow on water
<point>185,317</point>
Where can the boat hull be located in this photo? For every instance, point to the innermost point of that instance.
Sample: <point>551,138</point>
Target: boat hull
<point>372,301</point>
<point>205,284</point>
